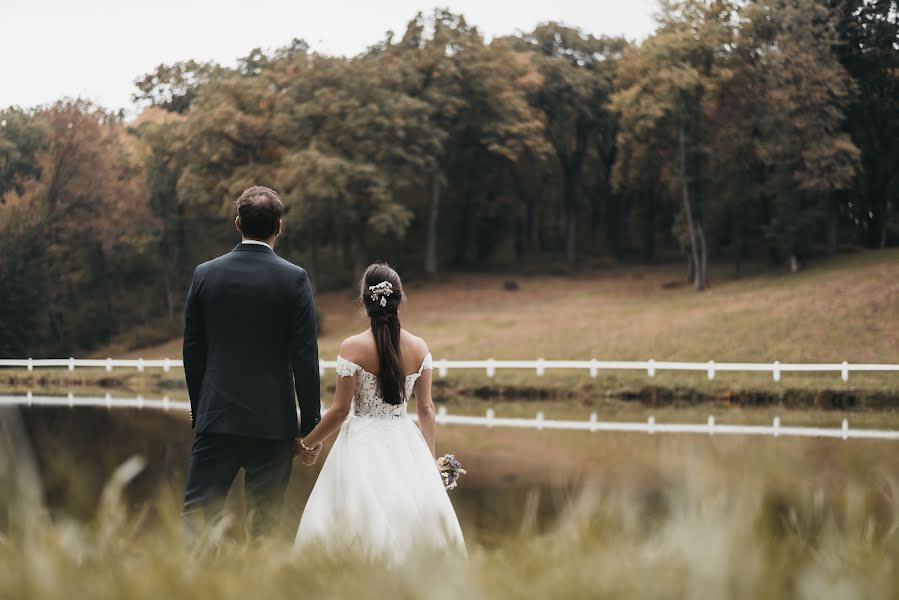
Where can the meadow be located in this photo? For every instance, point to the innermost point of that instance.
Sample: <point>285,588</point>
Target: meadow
<point>844,308</point>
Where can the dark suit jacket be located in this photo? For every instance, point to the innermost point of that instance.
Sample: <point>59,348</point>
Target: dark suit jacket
<point>249,344</point>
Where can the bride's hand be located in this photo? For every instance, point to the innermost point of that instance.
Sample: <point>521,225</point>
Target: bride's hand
<point>307,455</point>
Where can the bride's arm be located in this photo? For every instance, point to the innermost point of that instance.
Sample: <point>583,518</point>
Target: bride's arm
<point>336,415</point>
<point>424,404</point>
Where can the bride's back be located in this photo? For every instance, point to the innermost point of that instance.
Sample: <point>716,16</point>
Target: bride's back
<point>363,351</point>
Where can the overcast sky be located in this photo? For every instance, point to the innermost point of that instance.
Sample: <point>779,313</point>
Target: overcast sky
<point>97,48</point>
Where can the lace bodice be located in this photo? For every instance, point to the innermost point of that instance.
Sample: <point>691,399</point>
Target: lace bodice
<point>367,398</point>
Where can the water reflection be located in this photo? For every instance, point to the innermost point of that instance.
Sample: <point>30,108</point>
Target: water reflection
<point>518,479</point>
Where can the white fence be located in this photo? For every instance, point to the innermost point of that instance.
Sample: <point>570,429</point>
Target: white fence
<point>490,365</point>
<point>710,427</point>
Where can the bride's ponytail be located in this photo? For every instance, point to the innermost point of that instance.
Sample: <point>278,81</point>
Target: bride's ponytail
<point>382,294</point>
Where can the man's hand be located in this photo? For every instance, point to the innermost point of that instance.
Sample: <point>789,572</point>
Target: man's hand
<point>306,456</point>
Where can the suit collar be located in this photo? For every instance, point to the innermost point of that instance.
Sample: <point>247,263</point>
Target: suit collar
<point>253,248</point>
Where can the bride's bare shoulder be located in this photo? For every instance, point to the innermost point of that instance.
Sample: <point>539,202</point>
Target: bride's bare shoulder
<point>357,347</point>
<point>418,346</point>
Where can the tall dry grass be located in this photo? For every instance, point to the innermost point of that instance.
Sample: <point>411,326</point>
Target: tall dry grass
<point>700,531</point>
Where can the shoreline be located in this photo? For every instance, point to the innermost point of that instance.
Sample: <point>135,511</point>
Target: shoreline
<point>677,392</point>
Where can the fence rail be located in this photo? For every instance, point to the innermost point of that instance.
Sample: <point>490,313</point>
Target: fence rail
<point>593,424</point>
<point>490,365</point>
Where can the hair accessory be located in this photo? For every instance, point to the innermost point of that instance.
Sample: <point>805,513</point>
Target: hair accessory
<point>382,290</point>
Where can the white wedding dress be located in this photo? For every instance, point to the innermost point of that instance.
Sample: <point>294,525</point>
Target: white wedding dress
<point>379,492</point>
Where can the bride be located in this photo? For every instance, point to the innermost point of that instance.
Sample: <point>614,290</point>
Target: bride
<point>379,491</point>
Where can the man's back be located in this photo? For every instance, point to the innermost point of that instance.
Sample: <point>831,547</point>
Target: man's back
<point>250,351</point>
<point>250,345</point>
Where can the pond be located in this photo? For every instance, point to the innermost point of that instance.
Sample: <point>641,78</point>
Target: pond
<point>518,479</point>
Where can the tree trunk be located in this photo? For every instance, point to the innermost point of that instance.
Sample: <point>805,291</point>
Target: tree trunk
<point>570,218</point>
<point>833,220</point>
<point>648,224</point>
<point>169,296</point>
<point>313,264</point>
<point>463,227</point>
<point>519,237</point>
<point>359,255</point>
<point>431,242</point>
<point>737,239</point>
<point>688,210</point>
<point>703,256</point>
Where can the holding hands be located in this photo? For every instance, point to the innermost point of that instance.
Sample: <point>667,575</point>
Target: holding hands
<point>307,454</point>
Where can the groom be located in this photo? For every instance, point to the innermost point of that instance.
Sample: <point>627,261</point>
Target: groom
<point>250,351</point>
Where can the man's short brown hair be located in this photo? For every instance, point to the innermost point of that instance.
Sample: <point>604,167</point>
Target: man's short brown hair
<point>259,209</point>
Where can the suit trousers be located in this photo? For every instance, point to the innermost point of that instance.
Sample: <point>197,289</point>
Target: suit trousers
<point>215,461</point>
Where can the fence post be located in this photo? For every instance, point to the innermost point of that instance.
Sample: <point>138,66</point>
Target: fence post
<point>30,364</point>
<point>776,426</point>
<point>775,371</point>
<point>441,369</point>
<point>140,365</point>
<point>441,414</point>
<point>844,371</point>
<point>108,364</point>
<point>321,368</point>
<point>711,424</point>
<point>711,370</point>
<point>593,420</point>
<point>71,399</point>
<point>490,415</point>
<point>651,370</point>
<point>166,364</point>
<point>845,429</point>
<point>651,424</point>
<point>540,420</point>
<point>108,400</point>
<point>541,369</point>
<point>140,402</point>
<point>165,403</point>
<point>29,397</point>
<point>71,363</point>
<point>491,370</point>
<point>594,367</point>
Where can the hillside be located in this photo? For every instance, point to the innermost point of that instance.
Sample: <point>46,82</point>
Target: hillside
<point>843,309</point>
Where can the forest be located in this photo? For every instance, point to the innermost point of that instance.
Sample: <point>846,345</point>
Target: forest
<point>740,130</point>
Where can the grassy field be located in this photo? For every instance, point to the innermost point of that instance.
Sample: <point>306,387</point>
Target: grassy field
<point>846,308</point>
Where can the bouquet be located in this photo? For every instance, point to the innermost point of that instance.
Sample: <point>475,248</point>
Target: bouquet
<point>450,470</point>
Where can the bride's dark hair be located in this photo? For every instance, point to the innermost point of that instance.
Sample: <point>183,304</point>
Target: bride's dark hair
<point>382,309</point>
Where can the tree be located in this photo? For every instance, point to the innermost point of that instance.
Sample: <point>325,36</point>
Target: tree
<point>807,153</point>
<point>175,87</point>
<point>665,89</point>
<point>868,49</point>
<point>229,143</point>
<point>88,203</point>
<point>158,134</point>
<point>478,114</point>
<point>22,136</point>
<point>333,198</point>
<point>24,287</point>
<point>577,72</point>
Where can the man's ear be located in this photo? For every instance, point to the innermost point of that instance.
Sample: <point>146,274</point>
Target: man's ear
<point>237,224</point>
<point>277,233</point>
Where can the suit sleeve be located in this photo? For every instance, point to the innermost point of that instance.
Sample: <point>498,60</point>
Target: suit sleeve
<point>194,349</point>
<point>304,358</point>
